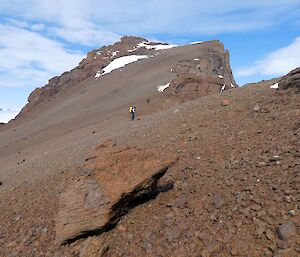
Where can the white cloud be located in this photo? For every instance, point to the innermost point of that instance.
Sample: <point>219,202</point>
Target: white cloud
<point>276,63</point>
<point>38,27</point>
<point>7,115</point>
<point>84,33</point>
<point>28,57</point>
<point>36,43</point>
<point>152,16</point>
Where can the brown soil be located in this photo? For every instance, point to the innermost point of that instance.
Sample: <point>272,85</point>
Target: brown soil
<point>230,193</point>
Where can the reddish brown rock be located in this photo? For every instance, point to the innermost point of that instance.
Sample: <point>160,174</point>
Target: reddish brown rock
<point>225,102</point>
<point>93,247</point>
<point>120,177</point>
<point>204,75</point>
<point>291,80</point>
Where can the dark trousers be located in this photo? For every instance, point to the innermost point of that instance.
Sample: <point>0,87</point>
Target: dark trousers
<point>132,115</point>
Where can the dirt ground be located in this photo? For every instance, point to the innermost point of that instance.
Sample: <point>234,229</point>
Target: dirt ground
<point>236,182</point>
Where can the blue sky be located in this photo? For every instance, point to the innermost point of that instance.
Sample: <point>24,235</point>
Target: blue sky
<point>41,39</point>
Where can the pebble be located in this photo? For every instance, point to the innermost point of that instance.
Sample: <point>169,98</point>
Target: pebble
<point>275,158</point>
<point>218,201</point>
<point>270,234</point>
<point>233,252</point>
<point>147,246</point>
<point>286,230</point>
<point>282,244</point>
<point>122,228</point>
<point>261,164</point>
<point>256,108</point>
<point>17,218</point>
<point>173,235</point>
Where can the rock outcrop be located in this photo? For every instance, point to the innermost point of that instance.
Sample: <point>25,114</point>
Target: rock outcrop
<point>117,178</point>
<point>291,80</point>
<point>208,74</point>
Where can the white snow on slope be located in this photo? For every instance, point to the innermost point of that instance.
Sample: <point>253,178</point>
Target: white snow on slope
<point>196,42</point>
<point>7,115</point>
<point>115,53</point>
<point>275,86</point>
<point>98,74</point>
<point>161,88</point>
<point>131,50</point>
<point>221,76</point>
<point>223,88</point>
<point>119,63</point>
<point>155,47</point>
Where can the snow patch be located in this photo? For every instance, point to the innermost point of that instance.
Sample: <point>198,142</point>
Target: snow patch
<point>115,53</point>
<point>221,76</point>
<point>131,50</point>
<point>118,63</point>
<point>223,88</point>
<point>196,42</point>
<point>196,59</point>
<point>98,74</point>
<point>275,86</point>
<point>161,88</point>
<point>233,86</point>
<point>155,47</point>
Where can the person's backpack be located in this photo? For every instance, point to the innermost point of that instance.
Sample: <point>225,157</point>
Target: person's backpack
<point>130,109</point>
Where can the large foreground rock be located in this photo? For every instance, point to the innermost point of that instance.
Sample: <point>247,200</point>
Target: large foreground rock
<point>117,178</point>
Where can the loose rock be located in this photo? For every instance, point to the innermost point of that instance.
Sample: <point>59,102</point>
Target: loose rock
<point>93,247</point>
<point>286,230</point>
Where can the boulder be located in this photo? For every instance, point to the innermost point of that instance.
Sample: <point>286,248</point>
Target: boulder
<point>291,80</point>
<point>119,179</point>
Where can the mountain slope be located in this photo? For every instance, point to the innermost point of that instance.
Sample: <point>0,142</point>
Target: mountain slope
<point>66,113</point>
<point>233,190</point>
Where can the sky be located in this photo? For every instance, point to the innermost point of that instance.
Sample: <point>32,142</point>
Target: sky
<point>40,39</point>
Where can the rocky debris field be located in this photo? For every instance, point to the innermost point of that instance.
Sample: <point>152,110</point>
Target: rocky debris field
<point>233,191</point>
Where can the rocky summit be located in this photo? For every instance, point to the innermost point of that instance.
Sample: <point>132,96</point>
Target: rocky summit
<point>206,168</point>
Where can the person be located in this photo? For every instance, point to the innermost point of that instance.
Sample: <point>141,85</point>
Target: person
<point>132,110</point>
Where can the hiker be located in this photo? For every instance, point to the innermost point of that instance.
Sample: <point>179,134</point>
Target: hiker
<point>132,111</point>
